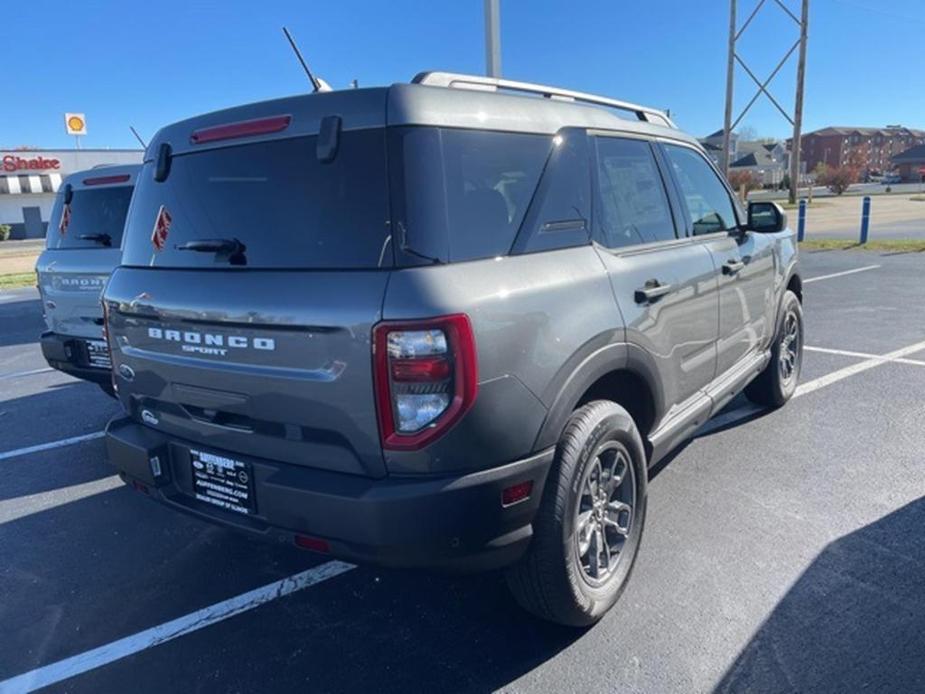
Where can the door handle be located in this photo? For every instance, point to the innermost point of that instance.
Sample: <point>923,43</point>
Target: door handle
<point>652,292</point>
<point>731,267</point>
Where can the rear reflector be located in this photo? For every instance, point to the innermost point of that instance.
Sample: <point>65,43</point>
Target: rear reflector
<point>421,370</point>
<point>313,543</point>
<point>106,180</point>
<point>245,128</point>
<point>517,492</point>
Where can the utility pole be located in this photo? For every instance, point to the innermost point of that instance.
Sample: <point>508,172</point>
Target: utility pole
<point>798,107</point>
<point>730,71</point>
<point>492,38</point>
<point>796,120</point>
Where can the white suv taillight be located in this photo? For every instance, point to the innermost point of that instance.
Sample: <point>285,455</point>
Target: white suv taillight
<point>426,378</point>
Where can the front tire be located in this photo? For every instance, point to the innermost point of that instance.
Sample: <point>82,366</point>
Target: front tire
<point>778,382</point>
<point>587,531</point>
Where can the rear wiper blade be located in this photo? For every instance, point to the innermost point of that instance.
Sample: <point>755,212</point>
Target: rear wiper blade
<point>231,250</point>
<point>104,239</point>
<point>230,246</point>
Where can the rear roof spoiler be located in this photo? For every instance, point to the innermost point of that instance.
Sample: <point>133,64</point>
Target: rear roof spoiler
<point>453,80</point>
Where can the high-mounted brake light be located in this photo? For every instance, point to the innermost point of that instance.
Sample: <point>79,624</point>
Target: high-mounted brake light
<point>426,377</point>
<point>245,128</point>
<point>105,180</point>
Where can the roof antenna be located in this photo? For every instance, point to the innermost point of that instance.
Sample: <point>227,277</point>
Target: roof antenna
<point>318,85</point>
<point>138,137</point>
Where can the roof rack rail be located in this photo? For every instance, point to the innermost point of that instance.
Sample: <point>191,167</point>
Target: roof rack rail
<point>493,84</point>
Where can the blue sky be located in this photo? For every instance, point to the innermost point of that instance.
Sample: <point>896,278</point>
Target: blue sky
<point>150,63</point>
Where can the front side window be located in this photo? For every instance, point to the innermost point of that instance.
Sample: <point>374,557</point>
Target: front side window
<point>634,207</point>
<point>709,205</point>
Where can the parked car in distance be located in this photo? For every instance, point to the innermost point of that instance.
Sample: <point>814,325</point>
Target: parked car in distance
<point>458,334</point>
<point>891,179</point>
<point>84,244</point>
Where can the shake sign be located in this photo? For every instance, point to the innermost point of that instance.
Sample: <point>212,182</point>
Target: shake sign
<point>11,162</point>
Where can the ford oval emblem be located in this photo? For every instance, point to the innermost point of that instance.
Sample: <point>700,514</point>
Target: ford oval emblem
<point>126,372</point>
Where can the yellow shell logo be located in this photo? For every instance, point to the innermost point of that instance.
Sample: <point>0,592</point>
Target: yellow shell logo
<point>75,123</point>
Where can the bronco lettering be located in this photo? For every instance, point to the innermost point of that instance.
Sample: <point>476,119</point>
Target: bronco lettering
<point>191,340</point>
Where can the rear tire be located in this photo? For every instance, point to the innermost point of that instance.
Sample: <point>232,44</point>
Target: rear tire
<point>587,531</point>
<point>778,382</point>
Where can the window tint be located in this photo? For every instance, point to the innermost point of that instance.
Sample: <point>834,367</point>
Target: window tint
<point>709,206</point>
<point>98,213</point>
<point>462,194</point>
<point>561,209</point>
<point>633,206</point>
<point>275,197</point>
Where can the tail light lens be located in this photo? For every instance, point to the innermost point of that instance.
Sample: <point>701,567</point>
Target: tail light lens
<point>106,337</point>
<point>426,378</point>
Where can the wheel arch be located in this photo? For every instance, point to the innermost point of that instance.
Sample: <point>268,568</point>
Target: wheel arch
<point>623,373</point>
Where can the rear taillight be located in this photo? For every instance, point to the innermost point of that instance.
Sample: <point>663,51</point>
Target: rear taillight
<point>426,378</point>
<point>112,368</point>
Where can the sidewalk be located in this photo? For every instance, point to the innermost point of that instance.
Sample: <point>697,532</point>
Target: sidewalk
<point>19,256</point>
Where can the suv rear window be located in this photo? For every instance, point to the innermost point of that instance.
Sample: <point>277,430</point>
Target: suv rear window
<point>287,208</point>
<point>99,213</point>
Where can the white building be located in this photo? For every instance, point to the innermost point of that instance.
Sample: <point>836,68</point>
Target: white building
<point>29,180</point>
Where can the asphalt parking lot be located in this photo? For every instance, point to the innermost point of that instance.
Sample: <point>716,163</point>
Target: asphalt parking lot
<point>784,550</point>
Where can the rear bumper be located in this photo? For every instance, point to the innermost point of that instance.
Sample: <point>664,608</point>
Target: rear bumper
<point>69,354</point>
<point>454,522</point>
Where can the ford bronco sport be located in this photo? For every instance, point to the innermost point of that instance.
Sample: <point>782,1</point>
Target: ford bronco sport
<point>84,244</point>
<point>451,323</point>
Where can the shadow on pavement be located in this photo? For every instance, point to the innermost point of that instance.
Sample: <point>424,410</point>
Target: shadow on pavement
<point>854,621</point>
<point>21,322</point>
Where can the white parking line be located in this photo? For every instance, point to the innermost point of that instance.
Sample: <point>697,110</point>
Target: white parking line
<point>862,355</point>
<point>17,374</point>
<point>854,369</point>
<point>53,444</point>
<point>840,274</point>
<point>22,506</point>
<point>207,616</point>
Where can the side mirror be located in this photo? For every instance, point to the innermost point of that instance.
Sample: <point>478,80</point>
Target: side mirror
<point>766,217</point>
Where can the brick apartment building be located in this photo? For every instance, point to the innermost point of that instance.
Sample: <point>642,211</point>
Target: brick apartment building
<point>865,149</point>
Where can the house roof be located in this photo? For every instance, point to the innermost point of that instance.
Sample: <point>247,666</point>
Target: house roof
<point>759,157</point>
<point>913,154</point>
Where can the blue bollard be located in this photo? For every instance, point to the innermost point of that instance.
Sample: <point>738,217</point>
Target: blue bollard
<point>801,221</point>
<point>865,219</point>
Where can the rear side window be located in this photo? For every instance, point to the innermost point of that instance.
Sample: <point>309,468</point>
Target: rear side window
<point>462,194</point>
<point>468,194</point>
<point>275,198</point>
<point>634,207</point>
<point>95,218</point>
<point>560,212</point>
<point>709,206</point>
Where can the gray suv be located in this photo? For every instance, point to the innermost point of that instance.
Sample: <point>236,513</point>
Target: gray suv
<point>451,323</point>
<point>83,245</point>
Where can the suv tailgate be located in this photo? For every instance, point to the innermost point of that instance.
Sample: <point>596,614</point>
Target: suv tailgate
<point>273,364</point>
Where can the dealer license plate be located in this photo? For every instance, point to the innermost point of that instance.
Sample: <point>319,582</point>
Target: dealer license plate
<point>223,482</point>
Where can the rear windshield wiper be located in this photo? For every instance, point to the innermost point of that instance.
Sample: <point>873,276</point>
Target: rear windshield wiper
<point>104,239</point>
<point>230,249</point>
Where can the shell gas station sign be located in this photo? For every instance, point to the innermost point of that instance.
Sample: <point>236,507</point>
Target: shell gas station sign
<point>76,123</point>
